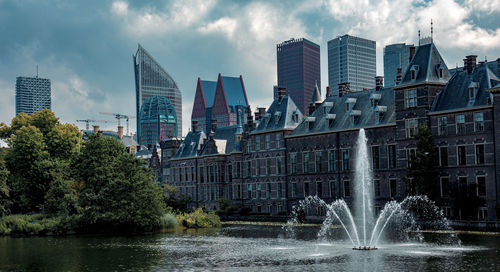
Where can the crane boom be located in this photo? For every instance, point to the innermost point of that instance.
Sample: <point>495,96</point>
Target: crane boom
<point>120,116</point>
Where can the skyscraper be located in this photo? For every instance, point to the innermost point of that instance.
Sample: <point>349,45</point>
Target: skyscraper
<point>158,121</point>
<point>32,94</point>
<point>352,59</point>
<point>395,56</point>
<point>299,70</point>
<point>152,80</point>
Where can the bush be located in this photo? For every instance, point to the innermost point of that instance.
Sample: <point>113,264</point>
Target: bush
<point>168,221</point>
<point>244,210</point>
<point>199,219</point>
<point>36,224</point>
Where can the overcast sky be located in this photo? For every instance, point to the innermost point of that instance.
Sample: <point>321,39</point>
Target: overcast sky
<point>86,47</point>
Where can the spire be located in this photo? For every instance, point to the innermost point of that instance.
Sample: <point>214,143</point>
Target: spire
<point>316,98</point>
<point>419,37</point>
<point>432,31</point>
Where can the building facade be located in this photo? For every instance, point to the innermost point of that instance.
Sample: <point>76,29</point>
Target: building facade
<point>299,69</point>
<point>152,80</point>
<point>278,164</point>
<point>396,56</point>
<point>352,59</point>
<point>32,94</point>
<point>157,120</point>
<point>219,101</point>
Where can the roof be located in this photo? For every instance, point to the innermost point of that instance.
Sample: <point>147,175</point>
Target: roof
<point>316,97</point>
<point>280,115</point>
<point>350,111</point>
<point>209,91</point>
<point>191,145</point>
<point>225,142</point>
<point>235,91</point>
<point>126,140</point>
<point>455,95</point>
<point>426,62</point>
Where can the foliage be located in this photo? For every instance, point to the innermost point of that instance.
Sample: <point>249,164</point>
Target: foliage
<point>199,219</point>
<point>172,199</point>
<point>422,174</point>
<point>117,191</point>
<point>61,198</point>
<point>225,207</point>
<point>36,224</point>
<point>62,141</point>
<point>4,190</point>
<point>168,221</point>
<point>467,201</point>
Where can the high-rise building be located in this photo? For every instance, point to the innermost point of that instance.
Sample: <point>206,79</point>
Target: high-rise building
<point>158,121</point>
<point>152,80</point>
<point>395,56</point>
<point>352,59</point>
<point>32,94</point>
<point>299,70</point>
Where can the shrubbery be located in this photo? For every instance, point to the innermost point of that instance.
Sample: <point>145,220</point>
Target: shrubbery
<point>36,224</point>
<point>199,219</point>
<point>168,221</point>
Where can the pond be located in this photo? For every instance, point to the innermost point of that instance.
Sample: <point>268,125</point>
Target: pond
<point>240,248</point>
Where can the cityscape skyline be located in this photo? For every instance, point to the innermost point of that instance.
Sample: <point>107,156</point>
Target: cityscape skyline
<point>93,76</point>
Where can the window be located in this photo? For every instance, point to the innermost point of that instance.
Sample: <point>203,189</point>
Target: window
<point>305,163</point>
<point>280,191</point>
<point>319,189</point>
<point>249,168</point>
<point>212,174</point>
<point>411,127</point>
<point>460,123</point>
<point>442,128</point>
<point>306,189</point>
<point>331,161</point>
<point>377,187</point>
<point>461,155</point>
<point>268,190</point>
<point>410,98</point>
<point>410,154</point>
<point>278,140</point>
<point>332,189</point>
<point>294,190</point>
<point>186,174</point>
<point>347,188</point>
<point>257,142</point>
<point>192,173</point>
<point>412,74</point>
<point>375,157</point>
<point>259,192</point>
<point>481,185</point>
<point>202,193</point>
<point>258,167</point>
<point>393,187</point>
<point>249,145</point>
<point>345,159</point>
<point>268,166</point>
<point>462,184</point>
<point>202,174</point>
<point>181,173</point>
<point>278,165</point>
<point>230,172</point>
<point>483,213</point>
<point>391,152</point>
<point>443,156</point>
<point>445,186</point>
<point>238,169</point>
<point>480,154</point>
<point>478,121</point>
<point>318,161</point>
<point>293,163</point>
<point>268,142</point>
<point>249,191</point>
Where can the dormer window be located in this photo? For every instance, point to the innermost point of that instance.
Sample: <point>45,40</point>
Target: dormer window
<point>374,98</point>
<point>379,113</point>
<point>310,122</point>
<point>414,71</point>
<point>277,116</point>
<point>355,115</point>
<point>441,71</point>
<point>326,107</point>
<point>473,88</point>
<point>330,118</point>
<point>349,104</point>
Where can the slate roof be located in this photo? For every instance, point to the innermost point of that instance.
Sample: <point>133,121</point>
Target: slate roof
<point>209,91</point>
<point>362,113</point>
<point>190,146</point>
<point>428,61</point>
<point>455,95</point>
<point>225,140</point>
<point>235,91</point>
<point>280,115</point>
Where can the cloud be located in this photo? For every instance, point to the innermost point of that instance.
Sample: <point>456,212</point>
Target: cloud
<point>487,6</point>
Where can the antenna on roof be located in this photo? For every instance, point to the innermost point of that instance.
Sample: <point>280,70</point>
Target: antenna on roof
<point>432,30</point>
<point>419,37</point>
<point>37,71</point>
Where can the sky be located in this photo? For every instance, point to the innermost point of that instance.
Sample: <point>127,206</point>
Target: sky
<point>85,47</point>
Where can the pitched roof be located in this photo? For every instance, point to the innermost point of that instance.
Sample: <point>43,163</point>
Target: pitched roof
<point>351,111</point>
<point>190,146</point>
<point>426,62</point>
<point>225,141</point>
<point>209,91</point>
<point>316,97</point>
<point>280,115</point>
<point>455,95</point>
<point>235,91</point>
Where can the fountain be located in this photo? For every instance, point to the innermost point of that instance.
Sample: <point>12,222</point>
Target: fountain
<point>363,231</point>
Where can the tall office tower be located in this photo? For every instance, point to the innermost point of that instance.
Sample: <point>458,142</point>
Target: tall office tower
<point>395,56</point>
<point>352,59</point>
<point>158,121</point>
<point>32,94</point>
<point>152,80</point>
<point>299,70</point>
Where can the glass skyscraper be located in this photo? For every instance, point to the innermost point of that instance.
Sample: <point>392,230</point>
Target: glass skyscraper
<point>32,94</point>
<point>158,121</point>
<point>152,80</point>
<point>299,70</point>
<point>352,59</point>
<point>395,56</point>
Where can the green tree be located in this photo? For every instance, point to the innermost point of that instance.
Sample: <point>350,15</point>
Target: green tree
<point>4,189</point>
<point>422,174</point>
<point>173,200</point>
<point>117,191</point>
<point>62,197</point>
<point>62,141</point>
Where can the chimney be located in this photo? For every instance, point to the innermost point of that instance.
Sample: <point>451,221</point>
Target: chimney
<point>470,63</point>
<point>96,129</point>
<point>194,125</point>
<point>249,118</point>
<point>214,124</point>
<point>120,131</point>
<point>379,82</point>
<point>341,89</point>
<point>328,91</point>
<point>399,76</point>
<point>412,52</point>
<point>281,92</point>
<point>260,113</point>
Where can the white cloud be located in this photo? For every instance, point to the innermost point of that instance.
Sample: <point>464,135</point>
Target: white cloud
<point>7,103</point>
<point>223,25</point>
<point>488,6</point>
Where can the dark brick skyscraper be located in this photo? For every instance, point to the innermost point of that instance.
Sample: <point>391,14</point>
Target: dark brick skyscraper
<point>299,70</point>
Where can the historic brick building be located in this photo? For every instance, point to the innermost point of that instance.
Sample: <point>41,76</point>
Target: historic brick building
<point>287,156</point>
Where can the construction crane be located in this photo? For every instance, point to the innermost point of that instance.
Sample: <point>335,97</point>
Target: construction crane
<point>88,121</point>
<point>120,116</point>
